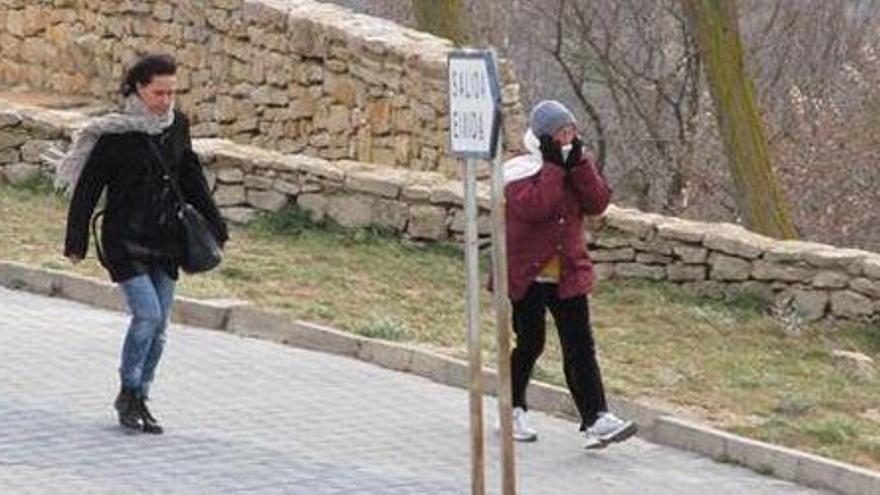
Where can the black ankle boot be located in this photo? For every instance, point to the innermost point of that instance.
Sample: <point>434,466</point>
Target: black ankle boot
<point>150,423</point>
<point>126,406</point>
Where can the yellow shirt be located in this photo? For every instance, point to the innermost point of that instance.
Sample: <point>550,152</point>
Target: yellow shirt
<point>551,271</point>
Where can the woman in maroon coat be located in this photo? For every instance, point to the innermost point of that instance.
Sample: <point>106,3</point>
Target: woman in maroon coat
<point>548,191</point>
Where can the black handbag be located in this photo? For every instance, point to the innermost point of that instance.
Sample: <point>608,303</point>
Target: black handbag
<point>199,248</point>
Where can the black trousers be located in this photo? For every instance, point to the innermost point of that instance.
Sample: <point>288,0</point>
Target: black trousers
<point>572,318</point>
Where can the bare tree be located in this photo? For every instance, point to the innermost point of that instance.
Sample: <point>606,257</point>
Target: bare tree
<point>822,114</point>
<point>715,25</point>
<point>633,68</point>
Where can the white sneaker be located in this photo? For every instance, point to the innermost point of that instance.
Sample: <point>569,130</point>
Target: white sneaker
<point>609,429</point>
<point>522,429</point>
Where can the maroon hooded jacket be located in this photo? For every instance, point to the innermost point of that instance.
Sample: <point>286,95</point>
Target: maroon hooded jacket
<point>545,219</point>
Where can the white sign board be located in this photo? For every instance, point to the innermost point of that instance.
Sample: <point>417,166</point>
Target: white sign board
<point>474,104</point>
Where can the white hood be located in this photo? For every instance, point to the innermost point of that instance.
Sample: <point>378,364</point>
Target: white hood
<point>524,166</point>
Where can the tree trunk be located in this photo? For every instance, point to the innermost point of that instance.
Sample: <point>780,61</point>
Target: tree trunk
<point>443,18</point>
<point>715,28</point>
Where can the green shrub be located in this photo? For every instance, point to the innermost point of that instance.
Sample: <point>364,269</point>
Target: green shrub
<point>384,328</point>
<point>39,184</point>
<point>833,431</point>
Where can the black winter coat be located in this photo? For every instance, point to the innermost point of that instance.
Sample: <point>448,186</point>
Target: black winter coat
<point>132,238</point>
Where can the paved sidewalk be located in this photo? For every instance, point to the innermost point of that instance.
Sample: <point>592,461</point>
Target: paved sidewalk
<point>244,415</point>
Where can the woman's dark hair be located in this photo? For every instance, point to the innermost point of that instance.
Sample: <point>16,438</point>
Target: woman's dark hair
<point>147,67</point>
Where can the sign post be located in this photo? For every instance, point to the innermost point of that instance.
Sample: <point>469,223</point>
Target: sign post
<point>502,324</point>
<point>474,133</point>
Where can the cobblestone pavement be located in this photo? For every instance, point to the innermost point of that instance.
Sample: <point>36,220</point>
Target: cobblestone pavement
<point>244,415</point>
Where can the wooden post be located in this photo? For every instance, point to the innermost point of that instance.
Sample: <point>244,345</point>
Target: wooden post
<point>502,322</point>
<point>474,133</point>
<point>473,323</point>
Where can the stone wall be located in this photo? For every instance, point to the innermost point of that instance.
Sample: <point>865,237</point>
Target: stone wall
<point>246,179</point>
<point>25,137</point>
<point>813,280</point>
<point>809,279</point>
<point>297,76</point>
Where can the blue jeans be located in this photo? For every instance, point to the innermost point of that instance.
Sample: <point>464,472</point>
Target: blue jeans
<point>149,297</point>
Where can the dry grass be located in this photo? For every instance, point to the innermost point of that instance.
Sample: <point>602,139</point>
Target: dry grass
<point>724,363</point>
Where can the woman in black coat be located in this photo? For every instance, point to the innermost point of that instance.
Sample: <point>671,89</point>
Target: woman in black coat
<point>139,246</point>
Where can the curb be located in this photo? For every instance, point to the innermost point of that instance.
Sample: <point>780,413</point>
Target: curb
<point>242,318</point>
<point>771,460</point>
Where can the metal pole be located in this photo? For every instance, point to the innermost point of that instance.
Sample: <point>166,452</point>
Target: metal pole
<point>473,322</point>
<point>502,322</point>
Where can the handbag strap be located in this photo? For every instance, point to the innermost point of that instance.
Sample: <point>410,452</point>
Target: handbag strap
<point>98,248</point>
<point>100,215</point>
<point>166,170</point>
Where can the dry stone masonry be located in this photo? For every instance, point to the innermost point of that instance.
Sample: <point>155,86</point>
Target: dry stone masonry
<point>298,76</point>
<point>302,103</point>
<point>818,280</point>
<point>247,180</point>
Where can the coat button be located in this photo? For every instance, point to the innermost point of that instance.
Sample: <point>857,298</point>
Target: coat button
<point>559,247</point>
<point>561,219</point>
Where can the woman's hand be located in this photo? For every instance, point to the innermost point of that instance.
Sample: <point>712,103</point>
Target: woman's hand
<point>576,154</point>
<point>551,151</point>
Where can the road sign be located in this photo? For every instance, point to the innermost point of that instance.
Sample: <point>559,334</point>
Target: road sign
<point>474,104</point>
<point>475,133</point>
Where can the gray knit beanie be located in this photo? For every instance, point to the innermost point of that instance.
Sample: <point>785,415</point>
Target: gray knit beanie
<point>549,116</point>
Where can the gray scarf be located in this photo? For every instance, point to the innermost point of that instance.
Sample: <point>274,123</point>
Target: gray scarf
<point>135,118</point>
